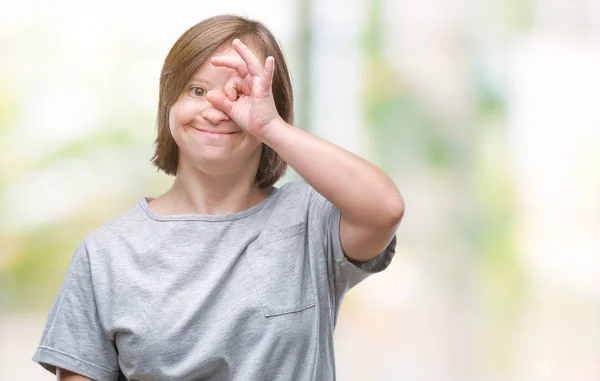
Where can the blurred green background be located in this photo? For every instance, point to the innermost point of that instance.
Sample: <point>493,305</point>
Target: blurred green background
<point>484,113</point>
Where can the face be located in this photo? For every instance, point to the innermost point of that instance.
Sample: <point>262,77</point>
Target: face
<point>205,135</point>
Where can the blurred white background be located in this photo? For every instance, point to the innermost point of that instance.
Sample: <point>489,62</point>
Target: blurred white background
<point>485,114</point>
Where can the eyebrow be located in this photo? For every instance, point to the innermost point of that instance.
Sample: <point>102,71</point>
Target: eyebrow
<point>201,80</point>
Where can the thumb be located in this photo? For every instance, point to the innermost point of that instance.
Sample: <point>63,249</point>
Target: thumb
<point>220,101</point>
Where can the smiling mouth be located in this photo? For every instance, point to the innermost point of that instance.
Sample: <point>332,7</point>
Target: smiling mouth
<point>217,132</point>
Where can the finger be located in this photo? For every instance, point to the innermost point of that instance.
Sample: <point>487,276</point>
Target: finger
<point>266,80</point>
<point>233,87</point>
<point>220,101</point>
<point>234,63</point>
<point>252,62</point>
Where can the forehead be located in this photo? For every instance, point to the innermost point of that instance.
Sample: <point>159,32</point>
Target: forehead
<point>207,71</point>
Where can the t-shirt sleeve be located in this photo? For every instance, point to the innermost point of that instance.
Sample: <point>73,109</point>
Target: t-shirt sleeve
<point>73,337</point>
<point>345,274</point>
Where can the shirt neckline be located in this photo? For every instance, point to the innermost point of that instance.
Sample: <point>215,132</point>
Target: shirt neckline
<point>143,203</point>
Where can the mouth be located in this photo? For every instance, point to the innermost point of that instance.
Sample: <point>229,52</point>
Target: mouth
<point>216,132</point>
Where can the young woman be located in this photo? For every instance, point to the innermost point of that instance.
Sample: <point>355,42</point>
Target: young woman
<point>224,276</point>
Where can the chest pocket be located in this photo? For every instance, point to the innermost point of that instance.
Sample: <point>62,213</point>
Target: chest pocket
<point>281,272</point>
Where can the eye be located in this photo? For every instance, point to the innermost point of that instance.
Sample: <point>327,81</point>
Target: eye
<point>198,91</point>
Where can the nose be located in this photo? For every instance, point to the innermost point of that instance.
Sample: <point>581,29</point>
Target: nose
<point>214,115</point>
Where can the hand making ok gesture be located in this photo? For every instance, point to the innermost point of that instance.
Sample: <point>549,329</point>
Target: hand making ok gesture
<point>247,96</point>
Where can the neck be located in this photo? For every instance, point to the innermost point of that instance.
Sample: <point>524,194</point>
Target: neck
<point>198,192</point>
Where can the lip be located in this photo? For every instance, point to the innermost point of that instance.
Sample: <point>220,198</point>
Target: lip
<point>217,132</point>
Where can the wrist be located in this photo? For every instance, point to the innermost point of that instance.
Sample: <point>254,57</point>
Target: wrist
<point>269,132</point>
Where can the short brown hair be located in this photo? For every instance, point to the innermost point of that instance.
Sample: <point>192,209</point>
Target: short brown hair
<point>192,50</point>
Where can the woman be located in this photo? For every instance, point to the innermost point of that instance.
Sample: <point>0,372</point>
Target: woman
<point>225,277</point>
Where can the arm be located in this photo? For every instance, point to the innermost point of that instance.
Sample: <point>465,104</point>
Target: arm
<point>370,203</point>
<point>66,375</point>
<point>73,336</point>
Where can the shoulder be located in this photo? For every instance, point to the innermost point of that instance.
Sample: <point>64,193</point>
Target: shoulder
<point>292,188</point>
<point>131,222</point>
<point>303,197</point>
<point>294,192</point>
<point>288,205</point>
<point>294,195</point>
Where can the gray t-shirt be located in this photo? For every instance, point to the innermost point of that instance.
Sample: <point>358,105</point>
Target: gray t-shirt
<point>252,295</point>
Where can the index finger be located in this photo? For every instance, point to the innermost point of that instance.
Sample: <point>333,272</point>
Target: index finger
<point>234,63</point>
<point>254,66</point>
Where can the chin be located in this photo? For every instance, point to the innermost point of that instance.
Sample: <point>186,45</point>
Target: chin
<point>218,162</point>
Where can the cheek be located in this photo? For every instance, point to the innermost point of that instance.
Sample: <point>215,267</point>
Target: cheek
<point>254,146</point>
<point>171,123</point>
<point>257,144</point>
<point>180,115</point>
